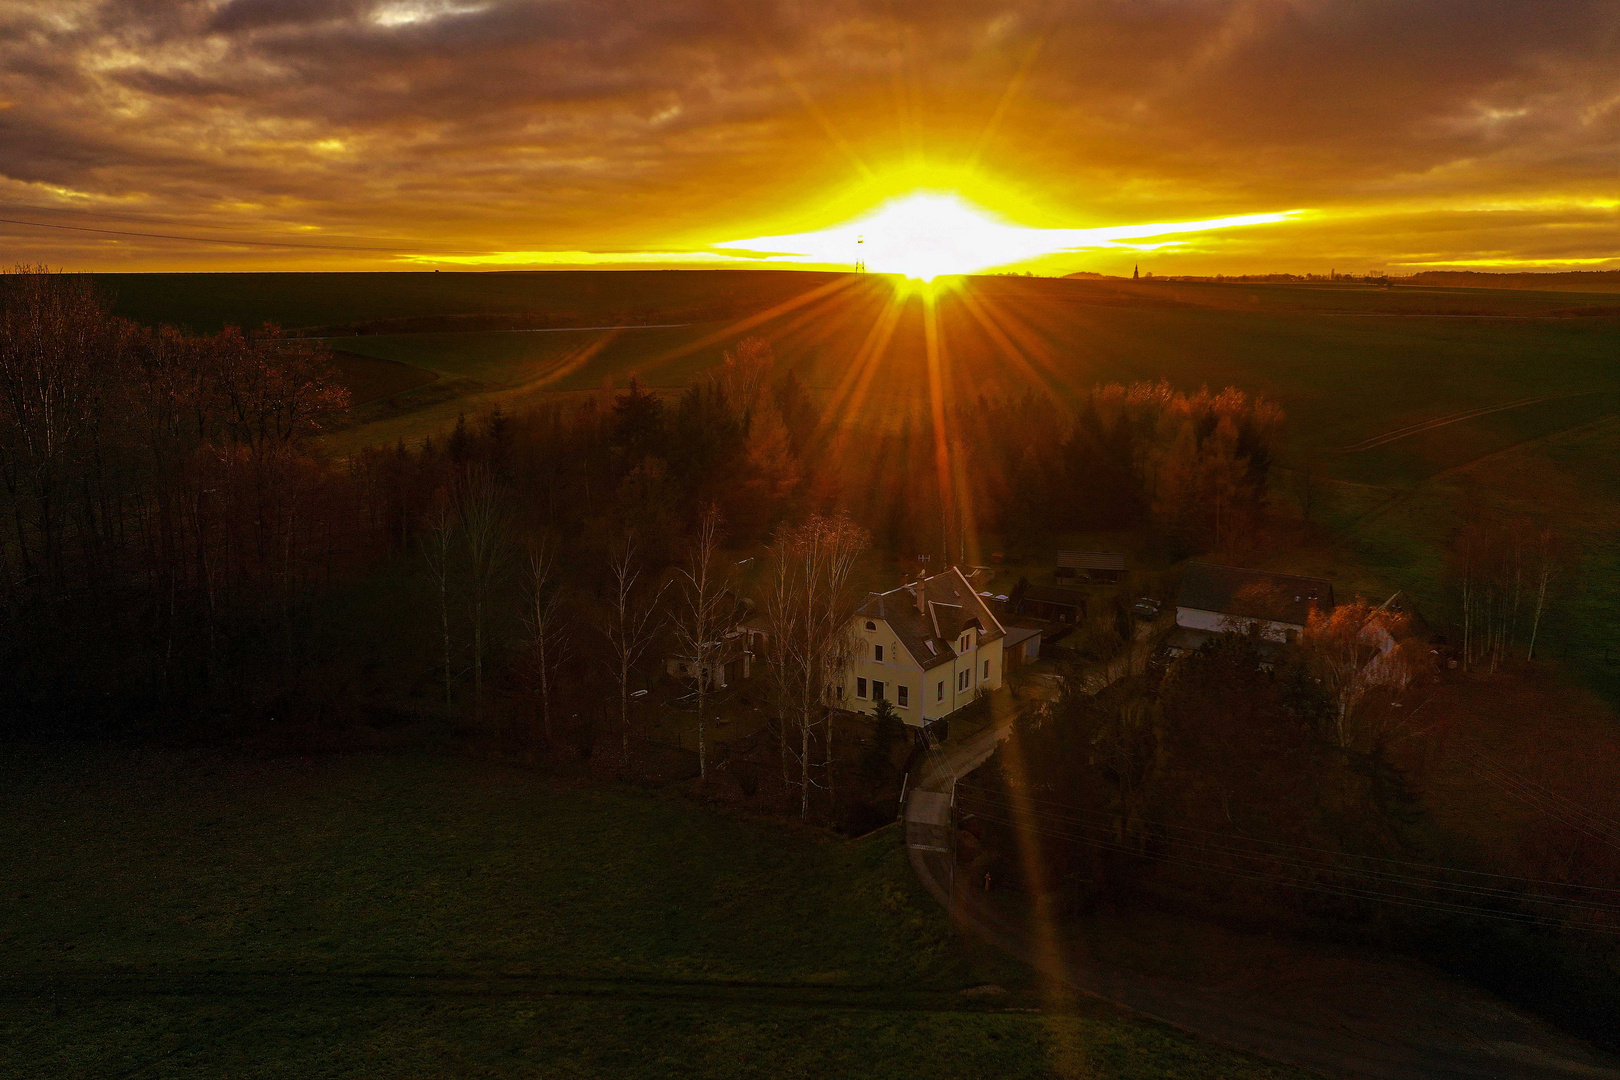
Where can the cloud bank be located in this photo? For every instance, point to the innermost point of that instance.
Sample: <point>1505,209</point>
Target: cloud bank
<point>375,133</point>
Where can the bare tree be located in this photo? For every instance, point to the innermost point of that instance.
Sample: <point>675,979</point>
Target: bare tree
<point>810,613</point>
<point>58,350</point>
<point>550,634</point>
<point>1546,568</point>
<point>438,551</point>
<point>484,532</point>
<point>630,624</point>
<point>1350,650</point>
<point>700,622</point>
<point>1489,562</point>
<point>780,654</point>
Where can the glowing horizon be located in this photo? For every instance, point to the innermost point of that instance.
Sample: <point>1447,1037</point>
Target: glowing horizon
<point>927,234</point>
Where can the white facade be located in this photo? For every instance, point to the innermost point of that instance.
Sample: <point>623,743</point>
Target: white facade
<point>951,673</point>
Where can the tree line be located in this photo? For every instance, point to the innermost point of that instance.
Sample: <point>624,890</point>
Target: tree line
<point>160,496</point>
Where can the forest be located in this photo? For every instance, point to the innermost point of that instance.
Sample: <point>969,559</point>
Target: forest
<point>175,541</point>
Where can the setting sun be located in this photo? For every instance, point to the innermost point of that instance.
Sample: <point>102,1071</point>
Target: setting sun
<point>927,234</point>
<point>922,235</point>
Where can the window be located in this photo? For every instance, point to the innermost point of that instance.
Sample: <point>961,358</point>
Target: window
<point>871,626</point>
<point>962,678</point>
<point>877,653</point>
<point>987,669</point>
<point>939,691</point>
<point>877,690</point>
<point>860,688</point>
<point>962,646</point>
<point>905,696</point>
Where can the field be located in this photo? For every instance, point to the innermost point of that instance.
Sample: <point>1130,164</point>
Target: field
<point>1411,403</point>
<point>173,914</point>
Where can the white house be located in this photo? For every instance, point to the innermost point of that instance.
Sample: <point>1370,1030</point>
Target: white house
<point>1216,599</point>
<point>930,648</point>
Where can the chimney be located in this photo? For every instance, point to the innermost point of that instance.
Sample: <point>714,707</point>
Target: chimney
<point>922,603</point>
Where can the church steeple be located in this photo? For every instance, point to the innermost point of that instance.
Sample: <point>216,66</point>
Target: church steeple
<point>1136,272</point>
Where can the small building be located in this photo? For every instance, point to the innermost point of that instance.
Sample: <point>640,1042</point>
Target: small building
<point>1093,567</point>
<point>1217,599</point>
<point>1021,646</point>
<point>1054,603</point>
<point>736,654</point>
<point>929,648</point>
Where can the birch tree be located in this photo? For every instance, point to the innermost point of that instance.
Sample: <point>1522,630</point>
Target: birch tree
<point>551,636</point>
<point>810,614</point>
<point>700,621</point>
<point>438,553</point>
<point>484,533</point>
<point>629,624</point>
<point>1546,568</point>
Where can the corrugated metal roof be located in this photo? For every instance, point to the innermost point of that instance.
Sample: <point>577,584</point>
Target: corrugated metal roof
<point>1253,594</point>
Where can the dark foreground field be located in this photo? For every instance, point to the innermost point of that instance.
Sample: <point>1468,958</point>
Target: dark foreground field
<point>170,914</point>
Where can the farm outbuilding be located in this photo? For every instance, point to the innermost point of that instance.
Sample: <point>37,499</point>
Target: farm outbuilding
<point>1214,599</point>
<point>1054,603</point>
<point>1096,567</point>
<point>1021,645</point>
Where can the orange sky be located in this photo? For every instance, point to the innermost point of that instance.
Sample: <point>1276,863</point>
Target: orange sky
<point>402,134</point>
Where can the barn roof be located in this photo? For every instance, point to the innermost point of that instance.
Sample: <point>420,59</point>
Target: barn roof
<point>1253,594</point>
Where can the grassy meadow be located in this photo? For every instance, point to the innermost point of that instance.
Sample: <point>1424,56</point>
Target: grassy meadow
<point>172,914</point>
<point>1518,389</point>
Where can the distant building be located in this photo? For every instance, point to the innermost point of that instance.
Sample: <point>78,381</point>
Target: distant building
<point>1216,599</point>
<point>1095,567</point>
<point>735,654</point>
<point>930,648</point>
<point>1054,603</point>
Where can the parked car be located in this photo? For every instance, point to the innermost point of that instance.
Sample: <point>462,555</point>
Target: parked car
<point>1146,607</point>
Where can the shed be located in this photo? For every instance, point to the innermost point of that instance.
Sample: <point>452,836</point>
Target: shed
<point>1101,567</point>
<point>1055,603</point>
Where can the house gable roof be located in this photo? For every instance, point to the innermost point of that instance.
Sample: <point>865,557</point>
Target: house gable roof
<point>930,635</point>
<point>1253,594</point>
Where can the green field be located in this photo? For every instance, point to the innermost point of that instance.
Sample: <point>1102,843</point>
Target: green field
<point>1349,363</point>
<point>172,914</point>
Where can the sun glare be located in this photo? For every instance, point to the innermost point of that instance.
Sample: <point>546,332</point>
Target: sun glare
<point>922,235</point>
<point>929,234</point>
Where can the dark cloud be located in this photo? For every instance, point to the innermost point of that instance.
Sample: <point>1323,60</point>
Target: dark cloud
<point>530,123</point>
<point>239,15</point>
